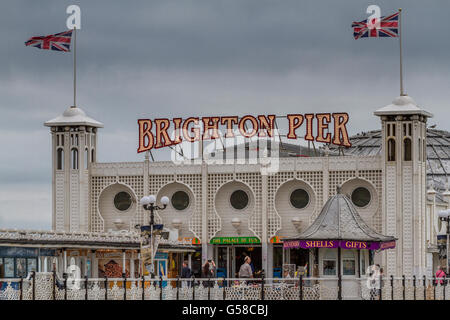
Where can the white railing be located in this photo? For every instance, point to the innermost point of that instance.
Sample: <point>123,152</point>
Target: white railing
<point>43,286</point>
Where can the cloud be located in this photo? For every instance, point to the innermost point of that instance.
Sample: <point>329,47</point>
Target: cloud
<point>166,58</point>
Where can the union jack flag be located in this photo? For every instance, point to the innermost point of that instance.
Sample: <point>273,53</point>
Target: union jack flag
<point>58,42</point>
<point>387,27</point>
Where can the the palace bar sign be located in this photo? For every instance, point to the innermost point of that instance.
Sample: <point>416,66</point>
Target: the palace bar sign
<point>235,240</point>
<point>320,127</point>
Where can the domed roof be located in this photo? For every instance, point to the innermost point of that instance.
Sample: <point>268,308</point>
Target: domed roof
<point>402,105</point>
<point>339,220</point>
<point>73,116</point>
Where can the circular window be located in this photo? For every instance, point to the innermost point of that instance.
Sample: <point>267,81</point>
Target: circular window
<point>180,200</point>
<point>239,199</point>
<point>361,197</point>
<point>122,201</point>
<point>299,198</point>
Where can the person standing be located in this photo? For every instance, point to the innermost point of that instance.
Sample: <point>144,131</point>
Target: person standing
<point>246,270</point>
<point>209,271</point>
<point>440,276</point>
<point>186,273</point>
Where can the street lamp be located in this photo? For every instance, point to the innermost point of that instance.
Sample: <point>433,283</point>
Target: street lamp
<point>148,203</point>
<point>444,215</point>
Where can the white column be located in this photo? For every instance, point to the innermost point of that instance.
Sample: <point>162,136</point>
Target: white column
<point>132,266</point>
<point>65,261</point>
<point>204,239</point>
<point>39,266</point>
<point>124,260</point>
<point>85,271</point>
<point>269,272</point>
<point>46,264</point>
<point>94,265</point>
<point>264,236</point>
<point>190,261</point>
<point>140,265</point>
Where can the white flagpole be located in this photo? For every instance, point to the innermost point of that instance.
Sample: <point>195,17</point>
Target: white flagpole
<point>74,66</point>
<point>402,93</point>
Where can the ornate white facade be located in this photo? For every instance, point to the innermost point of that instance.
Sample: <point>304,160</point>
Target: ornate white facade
<point>84,190</point>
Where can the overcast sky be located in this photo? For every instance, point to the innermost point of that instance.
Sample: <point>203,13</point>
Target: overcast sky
<point>163,58</point>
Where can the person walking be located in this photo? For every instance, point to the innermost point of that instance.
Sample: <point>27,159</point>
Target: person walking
<point>245,270</point>
<point>186,273</point>
<point>440,276</point>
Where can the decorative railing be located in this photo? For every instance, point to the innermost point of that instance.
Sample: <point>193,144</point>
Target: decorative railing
<point>88,237</point>
<point>47,286</point>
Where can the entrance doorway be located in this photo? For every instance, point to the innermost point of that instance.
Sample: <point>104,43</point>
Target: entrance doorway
<point>230,258</point>
<point>254,253</point>
<point>298,257</point>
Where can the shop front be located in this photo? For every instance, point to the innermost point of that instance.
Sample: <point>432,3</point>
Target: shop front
<point>341,243</point>
<point>16,262</point>
<point>229,254</point>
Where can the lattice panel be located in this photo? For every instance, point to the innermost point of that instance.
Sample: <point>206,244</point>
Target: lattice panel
<point>313,178</point>
<point>99,183</point>
<point>215,181</point>
<point>254,181</point>
<point>74,202</point>
<point>375,177</point>
<point>337,178</point>
<point>155,183</point>
<point>137,185</point>
<point>407,221</point>
<point>194,181</point>
<point>59,201</point>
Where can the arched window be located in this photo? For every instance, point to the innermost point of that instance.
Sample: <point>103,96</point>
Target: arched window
<point>407,149</point>
<point>424,149</point>
<point>74,159</point>
<point>86,158</point>
<point>60,159</point>
<point>93,155</point>
<point>391,150</point>
<point>419,149</point>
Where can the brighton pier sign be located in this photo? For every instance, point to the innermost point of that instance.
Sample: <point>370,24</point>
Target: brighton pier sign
<point>163,132</point>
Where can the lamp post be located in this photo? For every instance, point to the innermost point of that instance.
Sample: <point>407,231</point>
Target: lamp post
<point>444,215</point>
<point>148,203</point>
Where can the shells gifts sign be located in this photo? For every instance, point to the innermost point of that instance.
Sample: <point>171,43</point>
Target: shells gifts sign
<point>320,127</point>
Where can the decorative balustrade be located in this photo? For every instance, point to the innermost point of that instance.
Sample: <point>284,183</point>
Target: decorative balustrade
<point>45,286</point>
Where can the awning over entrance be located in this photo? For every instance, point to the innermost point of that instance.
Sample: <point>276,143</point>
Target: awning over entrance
<point>340,226</point>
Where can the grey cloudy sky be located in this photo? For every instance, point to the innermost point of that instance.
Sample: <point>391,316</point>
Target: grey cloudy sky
<point>164,58</point>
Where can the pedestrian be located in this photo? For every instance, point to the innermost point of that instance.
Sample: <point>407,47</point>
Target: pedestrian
<point>440,276</point>
<point>186,273</point>
<point>209,269</point>
<point>246,270</point>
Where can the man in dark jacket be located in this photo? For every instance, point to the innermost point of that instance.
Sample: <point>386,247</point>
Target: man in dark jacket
<point>185,274</point>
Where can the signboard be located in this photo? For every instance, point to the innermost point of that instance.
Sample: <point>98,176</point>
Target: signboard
<point>235,240</point>
<point>146,254</point>
<point>320,127</point>
<point>344,244</point>
<point>276,240</point>
<point>192,240</point>
<point>113,254</point>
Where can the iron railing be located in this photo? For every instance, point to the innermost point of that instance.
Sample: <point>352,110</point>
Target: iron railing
<point>48,286</point>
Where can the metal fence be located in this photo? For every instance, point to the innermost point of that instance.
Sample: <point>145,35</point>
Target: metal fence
<point>47,286</point>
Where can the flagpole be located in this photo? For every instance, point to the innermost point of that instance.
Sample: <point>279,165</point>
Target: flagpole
<point>74,66</point>
<point>401,54</point>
